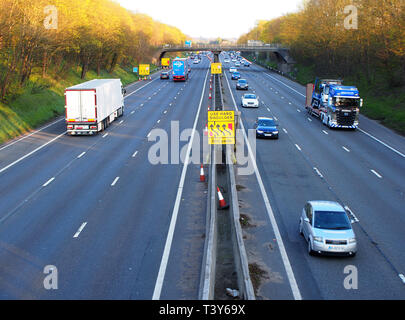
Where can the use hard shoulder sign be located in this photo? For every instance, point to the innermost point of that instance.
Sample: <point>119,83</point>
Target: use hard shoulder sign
<point>216,68</point>
<point>221,127</point>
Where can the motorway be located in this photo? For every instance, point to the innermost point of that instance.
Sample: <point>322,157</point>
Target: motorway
<point>99,210</point>
<point>117,226</point>
<point>363,170</point>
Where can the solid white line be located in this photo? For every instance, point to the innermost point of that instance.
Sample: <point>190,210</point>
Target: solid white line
<point>290,274</point>
<point>170,234</point>
<point>134,155</point>
<point>284,84</point>
<point>115,181</point>
<point>82,154</point>
<point>298,147</point>
<point>48,182</point>
<point>344,148</point>
<point>80,230</point>
<point>318,172</point>
<point>105,135</point>
<point>325,132</point>
<point>383,143</point>
<point>28,135</point>
<point>139,88</point>
<point>30,153</point>
<point>376,173</point>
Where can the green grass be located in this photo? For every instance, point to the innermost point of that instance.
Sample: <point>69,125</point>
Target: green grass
<point>42,99</point>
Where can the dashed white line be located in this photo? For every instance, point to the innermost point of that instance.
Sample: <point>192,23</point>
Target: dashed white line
<point>309,119</point>
<point>285,130</point>
<point>48,182</point>
<point>275,118</point>
<point>121,122</point>
<point>80,230</point>
<point>298,110</point>
<point>133,111</point>
<point>346,149</point>
<point>115,181</point>
<point>158,121</point>
<point>134,154</point>
<point>105,135</point>
<point>268,109</point>
<point>165,111</point>
<point>82,154</point>
<point>325,132</point>
<point>298,147</point>
<point>376,173</point>
<point>318,172</point>
<point>352,214</point>
<point>149,134</point>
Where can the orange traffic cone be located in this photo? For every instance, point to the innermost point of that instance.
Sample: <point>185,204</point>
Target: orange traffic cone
<point>202,175</point>
<point>222,203</point>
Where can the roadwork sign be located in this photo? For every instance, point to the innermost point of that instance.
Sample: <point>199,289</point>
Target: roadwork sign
<point>165,62</point>
<point>144,70</point>
<point>221,127</point>
<point>216,68</point>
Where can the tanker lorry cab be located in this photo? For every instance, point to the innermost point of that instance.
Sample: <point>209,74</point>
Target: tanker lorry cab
<point>336,105</point>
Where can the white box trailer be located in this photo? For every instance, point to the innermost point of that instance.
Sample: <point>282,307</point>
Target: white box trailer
<point>91,106</point>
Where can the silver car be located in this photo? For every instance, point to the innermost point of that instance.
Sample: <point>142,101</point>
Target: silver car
<point>327,228</point>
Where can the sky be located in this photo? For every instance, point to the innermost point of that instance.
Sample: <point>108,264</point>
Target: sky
<point>212,18</point>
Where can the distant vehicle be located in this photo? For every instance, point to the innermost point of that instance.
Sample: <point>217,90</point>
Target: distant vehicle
<point>336,105</point>
<point>237,64</point>
<point>226,60</point>
<point>327,228</point>
<point>266,128</point>
<point>236,75</point>
<point>232,69</point>
<point>180,69</point>
<point>249,100</point>
<point>196,61</point>
<point>242,84</point>
<point>91,106</point>
<point>246,64</point>
<point>233,60</point>
<point>165,75</point>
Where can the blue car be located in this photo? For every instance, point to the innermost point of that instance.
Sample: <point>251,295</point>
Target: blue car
<point>266,128</point>
<point>235,76</point>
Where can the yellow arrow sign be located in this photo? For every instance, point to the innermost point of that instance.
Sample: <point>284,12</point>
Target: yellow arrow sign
<point>216,68</point>
<point>144,69</point>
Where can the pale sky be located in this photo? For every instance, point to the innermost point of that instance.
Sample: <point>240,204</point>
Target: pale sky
<point>212,18</point>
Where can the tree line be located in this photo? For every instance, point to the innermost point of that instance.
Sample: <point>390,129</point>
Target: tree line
<point>365,38</point>
<point>93,34</point>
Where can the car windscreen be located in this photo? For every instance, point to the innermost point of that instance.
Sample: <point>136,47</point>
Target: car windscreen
<point>266,123</point>
<point>250,96</point>
<point>333,220</point>
<point>242,81</point>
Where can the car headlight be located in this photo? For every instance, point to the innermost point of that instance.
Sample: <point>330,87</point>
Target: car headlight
<point>259,131</point>
<point>276,132</point>
<point>352,240</point>
<point>318,239</point>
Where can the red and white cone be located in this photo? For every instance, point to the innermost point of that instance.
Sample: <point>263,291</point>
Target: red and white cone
<point>206,130</point>
<point>202,175</point>
<point>209,97</point>
<point>222,202</point>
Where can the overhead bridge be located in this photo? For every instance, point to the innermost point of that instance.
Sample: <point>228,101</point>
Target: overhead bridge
<point>279,52</point>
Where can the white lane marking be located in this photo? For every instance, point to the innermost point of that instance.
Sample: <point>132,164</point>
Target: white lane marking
<point>139,88</point>
<point>298,110</point>
<point>115,181</point>
<point>28,135</point>
<point>352,214</point>
<point>287,265</point>
<point>165,111</point>
<point>285,84</point>
<point>170,234</point>
<point>32,152</point>
<point>268,109</point>
<point>298,147</point>
<point>141,105</point>
<point>149,134</point>
<point>376,173</point>
<point>134,154</point>
<point>402,277</point>
<point>309,119</point>
<point>158,121</point>
<point>285,130</point>
<point>82,154</point>
<point>346,149</point>
<point>105,135</point>
<point>275,118</point>
<point>170,104</point>
<point>383,143</point>
<point>121,122</point>
<point>48,182</point>
<point>318,172</point>
<point>80,230</point>
<point>289,103</point>
<point>361,130</point>
<point>133,111</point>
<point>325,132</point>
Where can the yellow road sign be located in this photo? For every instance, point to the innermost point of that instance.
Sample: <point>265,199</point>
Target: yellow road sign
<point>221,127</point>
<point>165,62</point>
<point>216,68</point>
<point>144,70</point>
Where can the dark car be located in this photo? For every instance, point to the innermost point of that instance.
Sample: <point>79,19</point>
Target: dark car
<point>235,76</point>
<point>266,128</point>
<point>242,84</point>
<point>165,75</point>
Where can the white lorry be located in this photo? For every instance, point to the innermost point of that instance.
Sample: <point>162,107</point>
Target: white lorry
<point>91,106</point>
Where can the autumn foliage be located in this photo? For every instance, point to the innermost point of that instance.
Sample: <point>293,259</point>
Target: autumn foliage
<point>92,34</point>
